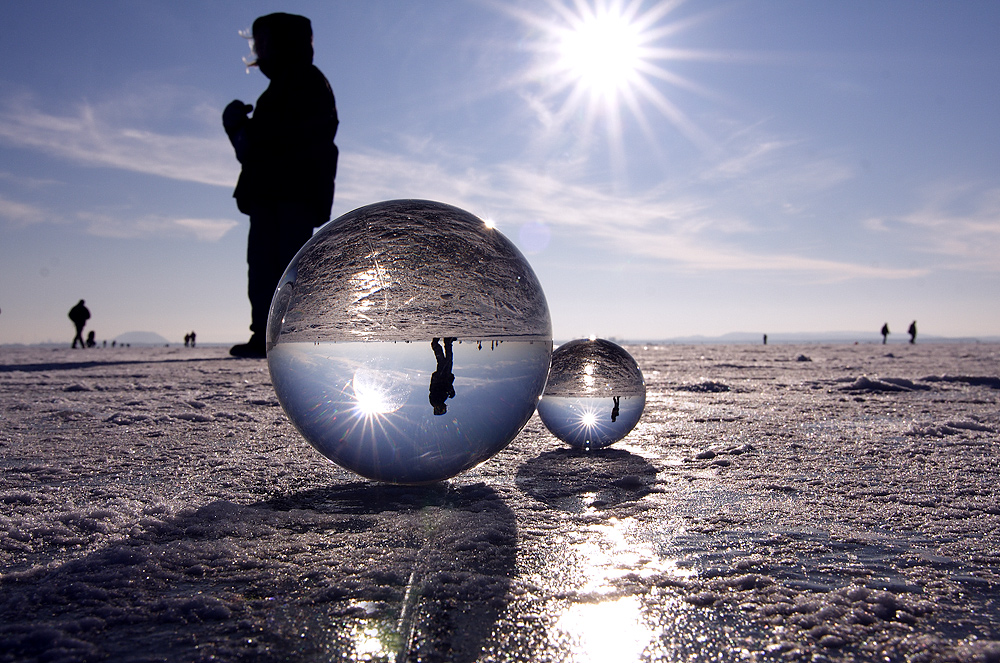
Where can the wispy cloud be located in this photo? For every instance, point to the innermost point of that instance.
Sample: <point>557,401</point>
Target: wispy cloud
<point>26,182</point>
<point>958,222</point>
<point>681,230</point>
<point>204,230</point>
<point>87,136</point>
<point>121,225</point>
<point>21,214</point>
<point>773,166</point>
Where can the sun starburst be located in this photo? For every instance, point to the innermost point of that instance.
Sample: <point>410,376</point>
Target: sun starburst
<point>595,58</point>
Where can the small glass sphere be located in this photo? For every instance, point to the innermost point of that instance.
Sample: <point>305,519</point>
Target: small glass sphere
<point>408,341</point>
<point>595,394</point>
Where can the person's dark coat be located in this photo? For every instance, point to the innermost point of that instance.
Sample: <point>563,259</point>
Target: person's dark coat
<point>79,314</point>
<point>289,154</point>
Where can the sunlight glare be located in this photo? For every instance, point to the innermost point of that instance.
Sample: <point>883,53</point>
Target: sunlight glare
<point>370,644</point>
<point>370,401</point>
<point>603,624</point>
<point>374,394</point>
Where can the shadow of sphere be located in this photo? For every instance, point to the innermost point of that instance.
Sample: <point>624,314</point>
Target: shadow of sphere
<point>573,480</point>
<point>294,577</point>
<point>365,497</point>
<point>452,548</point>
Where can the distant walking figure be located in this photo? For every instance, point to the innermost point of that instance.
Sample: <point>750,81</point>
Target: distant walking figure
<point>765,339</point>
<point>289,159</point>
<point>187,340</point>
<point>442,379</point>
<point>91,341</point>
<point>912,331</point>
<point>885,333</point>
<point>192,339</point>
<point>79,314</point>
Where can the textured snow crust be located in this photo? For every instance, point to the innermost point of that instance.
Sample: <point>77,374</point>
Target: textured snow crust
<point>775,503</point>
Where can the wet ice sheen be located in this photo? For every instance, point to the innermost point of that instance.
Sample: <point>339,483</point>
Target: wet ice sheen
<point>408,341</point>
<point>595,394</point>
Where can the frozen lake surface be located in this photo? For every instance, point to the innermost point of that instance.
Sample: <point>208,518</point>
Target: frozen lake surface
<point>805,503</point>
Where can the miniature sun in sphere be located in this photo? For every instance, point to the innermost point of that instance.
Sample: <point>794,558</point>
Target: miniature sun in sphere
<point>408,341</point>
<point>595,394</point>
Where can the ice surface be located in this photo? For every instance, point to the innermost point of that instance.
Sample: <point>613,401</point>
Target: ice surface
<point>781,518</point>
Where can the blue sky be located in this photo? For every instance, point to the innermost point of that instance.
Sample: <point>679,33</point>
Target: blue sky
<point>769,166</point>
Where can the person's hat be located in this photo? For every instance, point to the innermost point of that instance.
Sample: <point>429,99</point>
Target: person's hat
<point>289,36</point>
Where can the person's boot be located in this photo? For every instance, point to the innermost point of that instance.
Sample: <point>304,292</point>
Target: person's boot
<point>253,349</point>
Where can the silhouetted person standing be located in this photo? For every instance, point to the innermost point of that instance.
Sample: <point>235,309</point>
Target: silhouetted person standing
<point>91,341</point>
<point>912,331</point>
<point>885,333</point>
<point>289,159</point>
<point>79,314</point>
<point>615,410</point>
<point>442,379</point>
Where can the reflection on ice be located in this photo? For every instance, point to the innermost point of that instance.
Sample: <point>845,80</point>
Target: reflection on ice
<point>612,552</point>
<point>374,642</point>
<point>602,624</point>
<point>409,412</point>
<point>608,631</point>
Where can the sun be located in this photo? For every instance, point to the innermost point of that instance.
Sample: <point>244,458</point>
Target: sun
<point>602,52</point>
<point>600,61</point>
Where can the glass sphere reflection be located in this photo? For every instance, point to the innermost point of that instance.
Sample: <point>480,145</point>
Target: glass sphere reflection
<point>595,394</point>
<point>407,341</point>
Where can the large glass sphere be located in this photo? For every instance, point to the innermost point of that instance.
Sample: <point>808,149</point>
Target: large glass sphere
<point>409,341</point>
<point>595,394</point>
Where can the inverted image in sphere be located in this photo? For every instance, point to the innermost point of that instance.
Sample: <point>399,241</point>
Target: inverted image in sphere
<point>595,394</point>
<point>408,341</point>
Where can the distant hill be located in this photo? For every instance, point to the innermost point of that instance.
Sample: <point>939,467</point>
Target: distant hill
<point>140,338</point>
